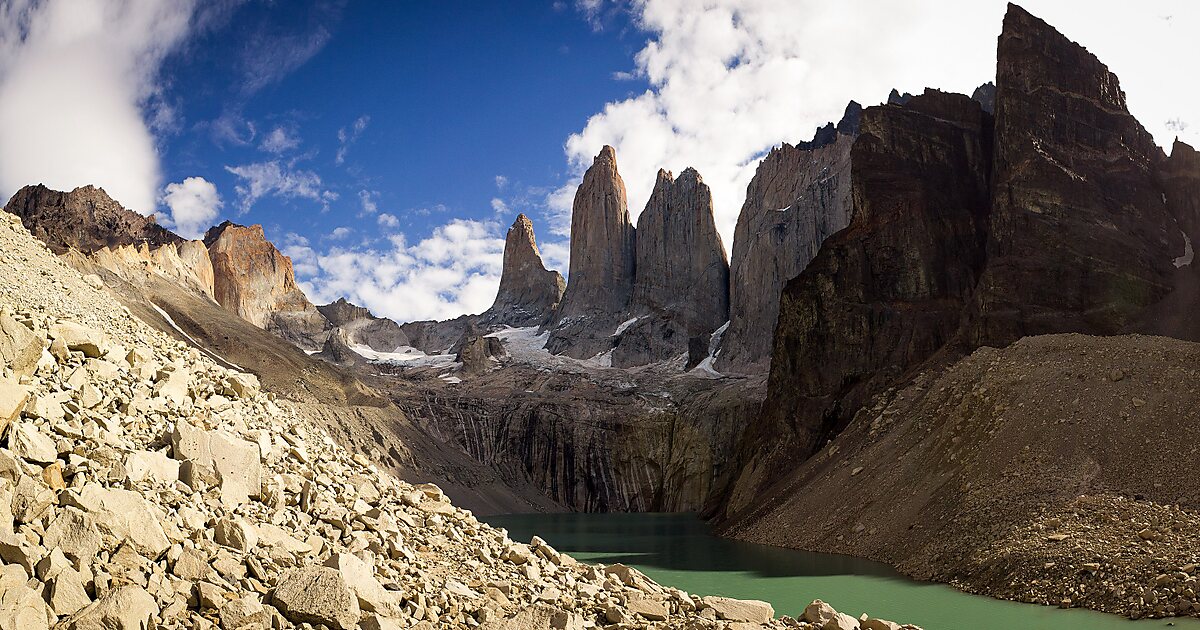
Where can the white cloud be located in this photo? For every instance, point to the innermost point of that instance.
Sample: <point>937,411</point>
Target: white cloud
<point>280,140</point>
<point>388,221</point>
<point>348,136</point>
<point>272,178</point>
<point>367,199</point>
<point>501,182</point>
<point>732,78</point>
<point>194,205</point>
<point>499,207</point>
<point>339,233</point>
<point>455,270</point>
<point>76,81</point>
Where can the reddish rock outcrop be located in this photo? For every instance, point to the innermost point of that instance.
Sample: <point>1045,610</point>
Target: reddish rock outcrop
<point>255,281</point>
<point>85,219</point>
<point>602,263</point>
<point>528,291</point>
<point>1081,238</point>
<point>799,196</point>
<point>681,287</point>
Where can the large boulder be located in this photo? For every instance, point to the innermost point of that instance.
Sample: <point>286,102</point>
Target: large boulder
<point>235,462</point>
<point>124,515</point>
<point>127,607</point>
<point>20,349</point>
<point>360,577</point>
<point>12,400</point>
<point>317,595</point>
<point>77,337</point>
<point>745,610</point>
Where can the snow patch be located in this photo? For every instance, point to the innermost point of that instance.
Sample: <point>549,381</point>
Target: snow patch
<point>1189,254</point>
<point>194,342</point>
<point>404,355</point>
<point>625,326</point>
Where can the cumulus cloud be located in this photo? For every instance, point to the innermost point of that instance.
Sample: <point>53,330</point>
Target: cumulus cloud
<point>273,178</point>
<point>366,199</point>
<point>280,140</point>
<point>455,270</point>
<point>339,233</point>
<point>388,221</point>
<point>76,82</point>
<point>194,205</point>
<point>729,79</point>
<point>349,135</point>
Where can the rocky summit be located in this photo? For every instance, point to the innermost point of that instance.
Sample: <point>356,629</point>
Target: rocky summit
<point>602,264</point>
<point>85,219</point>
<point>681,287</point>
<point>528,291</point>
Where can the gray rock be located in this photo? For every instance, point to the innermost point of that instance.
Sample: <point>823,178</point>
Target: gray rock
<point>317,595</point>
<point>602,263</point>
<point>528,291</point>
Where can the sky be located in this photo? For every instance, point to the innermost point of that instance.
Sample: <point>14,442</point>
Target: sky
<point>387,146</point>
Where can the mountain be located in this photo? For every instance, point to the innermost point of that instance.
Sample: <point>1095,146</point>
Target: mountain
<point>255,281</point>
<point>528,291</point>
<point>602,264</point>
<point>357,326</point>
<point>85,219</point>
<point>681,283</point>
<point>799,196</point>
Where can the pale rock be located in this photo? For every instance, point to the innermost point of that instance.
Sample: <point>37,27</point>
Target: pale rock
<point>841,621</point>
<point>22,608</point>
<point>879,624</point>
<point>317,595</point>
<point>66,593</point>
<point>127,607</point>
<point>191,565</point>
<point>30,444</point>
<point>20,349</point>
<point>173,385</point>
<point>153,466</point>
<point>244,613</point>
<point>31,497</point>
<point>360,577</point>
<point>13,398</point>
<point>818,612</point>
<point>75,533</point>
<point>235,533</point>
<point>79,338</point>
<point>749,610</point>
<point>648,607</point>
<point>126,515</point>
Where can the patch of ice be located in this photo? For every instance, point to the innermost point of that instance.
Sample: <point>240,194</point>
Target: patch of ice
<point>624,326</point>
<point>783,209</point>
<point>450,379</point>
<point>179,330</point>
<point>404,355</point>
<point>1189,254</point>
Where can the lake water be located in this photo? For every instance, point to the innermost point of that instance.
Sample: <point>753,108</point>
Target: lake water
<point>679,550</point>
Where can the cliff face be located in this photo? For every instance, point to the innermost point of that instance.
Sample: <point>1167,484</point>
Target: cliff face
<point>1081,238</point>
<point>888,291</point>
<point>85,219</point>
<point>799,196</point>
<point>602,264</point>
<point>528,291</point>
<point>185,263</point>
<point>255,281</point>
<point>681,287</point>
<point>356,325</point>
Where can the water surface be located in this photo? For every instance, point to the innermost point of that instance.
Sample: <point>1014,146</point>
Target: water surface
<point>679,550</point>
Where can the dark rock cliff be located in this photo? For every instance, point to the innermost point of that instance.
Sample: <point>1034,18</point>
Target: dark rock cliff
<point>528,291</point>
<point>85,219</point>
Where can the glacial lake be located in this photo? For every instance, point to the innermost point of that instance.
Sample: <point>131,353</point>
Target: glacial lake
<point>679,550</point>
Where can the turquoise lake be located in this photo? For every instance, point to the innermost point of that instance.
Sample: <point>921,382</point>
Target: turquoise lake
<point>679,550</point>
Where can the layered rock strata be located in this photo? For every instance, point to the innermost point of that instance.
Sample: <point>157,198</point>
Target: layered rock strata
<point>1081,238</point>
<point>602,264</point>
<point>681,286</point>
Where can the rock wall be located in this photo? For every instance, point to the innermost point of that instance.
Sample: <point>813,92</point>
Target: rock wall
<point>681,286</point>
<point>255,281</point>
<point>887,292</point>
<point>1081,238</point>
<point>358,326</point>
<point>799,196</point>
<point>185,263</point>
<point>602,264</point>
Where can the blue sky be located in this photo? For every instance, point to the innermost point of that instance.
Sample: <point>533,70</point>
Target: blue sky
<point>386,146</point>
